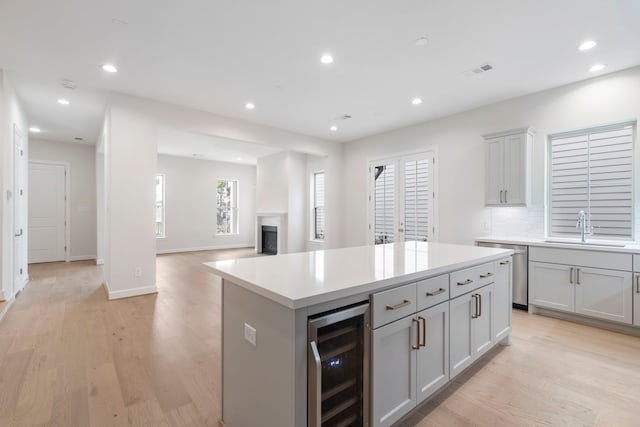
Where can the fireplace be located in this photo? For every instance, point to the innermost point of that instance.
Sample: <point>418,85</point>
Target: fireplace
<point>269,239</point>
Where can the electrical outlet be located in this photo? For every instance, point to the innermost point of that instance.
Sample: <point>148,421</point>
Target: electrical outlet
<point>138,272</point>
<point>250,333</point>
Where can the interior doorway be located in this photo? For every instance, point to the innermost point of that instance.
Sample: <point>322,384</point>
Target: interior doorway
<point>19,265</point>
<point>48,212</point>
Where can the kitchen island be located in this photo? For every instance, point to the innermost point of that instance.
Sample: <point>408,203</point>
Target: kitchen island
<point>455,298</point>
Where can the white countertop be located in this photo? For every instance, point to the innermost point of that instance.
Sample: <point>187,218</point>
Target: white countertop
<point>592,245</point>
<point>307,278</point>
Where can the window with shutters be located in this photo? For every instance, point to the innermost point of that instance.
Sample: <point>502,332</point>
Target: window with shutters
<point>592,170</point>
<point>318,206</point>
<point>403,199</point>
<point>160,206</point>
<point>227,203</point>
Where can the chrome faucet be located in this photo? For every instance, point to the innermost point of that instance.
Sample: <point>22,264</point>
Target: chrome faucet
<point>582,225</point>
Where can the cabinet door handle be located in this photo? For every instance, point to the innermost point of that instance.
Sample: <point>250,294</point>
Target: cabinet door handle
<point>484,276</point>
<point>505,196</point>
<point>475,306</point>
<point>438,292</point>
<point>424,332</point>
<point>480,304</point>
<point>501,191</point>
<point>399,305</point>
<point>637,283</point>
<point>577,276</point>
<point>571,275</point>
<point>316,392</point>
<point>466,282</point>
<point>416,346</point>
<point>505,262</point>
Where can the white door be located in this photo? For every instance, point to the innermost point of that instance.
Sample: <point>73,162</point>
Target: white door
<point>47,228</point>
<point>403,199</point>
<point>19,272</point>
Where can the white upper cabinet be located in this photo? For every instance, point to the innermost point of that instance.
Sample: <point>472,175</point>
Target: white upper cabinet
<point>507,174</point>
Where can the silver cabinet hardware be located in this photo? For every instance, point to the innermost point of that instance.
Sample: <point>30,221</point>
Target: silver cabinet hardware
<point>475,306</point>
<point>577,276</point>
<point>399,305</point>
<point>501,191</point>
<point>438,292</point>
<point>484,276</point>
<point>424,331</point>
<point>466,282</point>
<point>505,262</point>
<point>638,283</point>
<point>18,233</point>
<point>316,397</point>
<point>505,196</point>
<point>416,346</point>
<point>571,275</point>
<point>480,305</point>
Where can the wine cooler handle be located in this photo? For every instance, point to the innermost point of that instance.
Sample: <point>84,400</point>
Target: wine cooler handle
<point>316,400</point>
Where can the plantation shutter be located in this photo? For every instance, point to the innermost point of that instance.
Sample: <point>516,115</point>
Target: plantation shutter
<point>318,205</point>
<point>384,203</point>
<point>592,171</point>
<point>417,195</point>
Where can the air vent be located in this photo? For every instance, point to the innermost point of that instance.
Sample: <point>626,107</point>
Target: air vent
<point>77,138</point>
<point>69,84</point>
<point>344,117</point>
<point>478,70</point>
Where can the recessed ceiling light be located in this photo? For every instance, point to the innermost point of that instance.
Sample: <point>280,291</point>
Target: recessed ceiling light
<point>63,101</point>
<point>238,158</point>
<point>249,106</point>
<point>596,67</point>
<point>416,101</point>
<point>109,68</point>
<point>326,59</point>
<point>333,128</point>
<point>421,41</point>
<point>34,129</point>
<point>589,44</point>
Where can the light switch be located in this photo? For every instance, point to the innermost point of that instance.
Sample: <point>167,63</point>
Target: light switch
<point>250,333</point>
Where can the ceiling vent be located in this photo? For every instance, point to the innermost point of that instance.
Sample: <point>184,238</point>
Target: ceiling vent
<point>478,70</point>
<point>69,84</point>
<point>344,117</point>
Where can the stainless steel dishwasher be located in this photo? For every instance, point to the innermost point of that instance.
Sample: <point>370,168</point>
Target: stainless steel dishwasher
<point>520,281</point>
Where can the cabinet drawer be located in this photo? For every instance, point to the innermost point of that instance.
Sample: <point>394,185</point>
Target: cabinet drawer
<point>585,258</point>
<point>393,304</point>
<point>463,281</point>
<point>433,291</point>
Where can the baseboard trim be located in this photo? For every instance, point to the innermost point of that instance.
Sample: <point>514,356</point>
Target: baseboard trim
<point>99,261</point>
<point>589,321</point>
<point>6,308</point>
<point>82,258</point>
<point>204,248</point>
<point>127,293</point>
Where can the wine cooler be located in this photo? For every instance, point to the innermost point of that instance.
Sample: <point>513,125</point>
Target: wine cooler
<point>338,368</point>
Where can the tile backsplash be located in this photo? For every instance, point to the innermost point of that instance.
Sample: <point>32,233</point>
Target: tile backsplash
<point>517,221</point>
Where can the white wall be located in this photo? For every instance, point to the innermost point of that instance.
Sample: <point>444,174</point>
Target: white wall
<point>190,213</point>
<point>272,183</point>
<point>463,215</point>
<point>10,113</point>
<point>82,177</point>
<point>297,206</point>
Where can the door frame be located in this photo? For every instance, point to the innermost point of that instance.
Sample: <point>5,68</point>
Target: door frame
<point>67,202</point>
<point>18,279</point>
<point>397,157</point>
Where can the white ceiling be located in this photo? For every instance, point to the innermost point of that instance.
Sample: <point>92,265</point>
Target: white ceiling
<point>216,55</point>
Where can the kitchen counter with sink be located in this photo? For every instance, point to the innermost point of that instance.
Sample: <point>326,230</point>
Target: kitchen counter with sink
<point>590,244</point>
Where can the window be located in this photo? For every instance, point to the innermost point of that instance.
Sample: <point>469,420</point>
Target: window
<point>227,201</point>
<point>592,170</point>
<point>403,199</point>
<point>160,206</point>
<point>318,206</point>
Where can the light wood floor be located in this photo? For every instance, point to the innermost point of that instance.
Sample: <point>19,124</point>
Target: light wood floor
<point>69,357</point>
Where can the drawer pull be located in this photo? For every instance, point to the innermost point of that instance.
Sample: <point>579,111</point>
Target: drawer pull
<point>466,282</point>
<point>399,305</point>
<point>416,346</point>
<point>484,276</point>
<point>438,292</point>
<point>505,262</point>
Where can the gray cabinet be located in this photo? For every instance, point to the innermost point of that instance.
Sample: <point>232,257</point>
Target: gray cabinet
<point>507,164</point>
<point>432,366</point>
<point>636,299</point>
<point>590,283</point>
<point>471,327</point>
<point>501,304</point>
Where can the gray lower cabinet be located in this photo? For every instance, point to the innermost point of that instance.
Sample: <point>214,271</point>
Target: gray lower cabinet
<point>502,297</point>
<point>551,286</point>
<point>410,362</point>
<point>471,328</point>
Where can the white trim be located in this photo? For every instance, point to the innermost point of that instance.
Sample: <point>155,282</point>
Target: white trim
<point>99,261</point>
<point>6,308</point>
<point>67,204</point>
<point>82,257</point>
<point>126,293</point>
<point>204,248</point>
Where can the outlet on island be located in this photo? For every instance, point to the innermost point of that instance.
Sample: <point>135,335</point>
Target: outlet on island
<point>250,333</point>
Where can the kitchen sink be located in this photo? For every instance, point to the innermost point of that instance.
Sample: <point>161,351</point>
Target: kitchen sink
<point>596,244</point>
